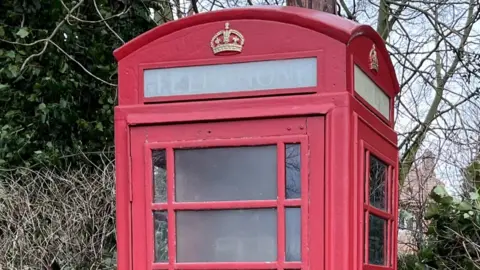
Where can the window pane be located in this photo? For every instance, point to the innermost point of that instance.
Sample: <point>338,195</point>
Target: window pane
<point>371,93</point>
<point>226,174</point>
<point>160,236</point>
<point>376,240</point>
<point>159,162</point>
<point>293,231</point>
<point>378,180</point>
<point>292,171</point>
<point>227,235</point>
<point>232,77</point>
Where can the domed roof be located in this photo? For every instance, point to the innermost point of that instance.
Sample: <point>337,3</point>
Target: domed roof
<point>331,25</point>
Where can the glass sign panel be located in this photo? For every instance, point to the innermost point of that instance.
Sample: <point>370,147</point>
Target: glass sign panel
<point>226,78</point>
<point>369,91</point>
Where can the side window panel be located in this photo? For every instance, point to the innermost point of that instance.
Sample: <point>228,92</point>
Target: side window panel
<point>378,218</point>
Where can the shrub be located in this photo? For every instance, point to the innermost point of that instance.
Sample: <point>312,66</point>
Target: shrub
<point>453,237</point>
<point>52,220</point>
<point>409,262</point>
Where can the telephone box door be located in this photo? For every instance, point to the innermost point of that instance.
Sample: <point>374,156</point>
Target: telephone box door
<point>228,195</point>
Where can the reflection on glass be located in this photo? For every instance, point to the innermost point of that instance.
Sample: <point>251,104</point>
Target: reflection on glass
<point>227,235</point>
<point>376,240</point>
<point>292,171</point>
<point>378,180</point>
<point>233,77</point>
<point>160,235</point>
<point>293,234</point>
<point>226,174</point>
<point>159,162</point>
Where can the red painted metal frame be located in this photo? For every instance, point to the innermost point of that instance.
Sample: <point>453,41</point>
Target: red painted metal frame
<point>336,212</point>
<point>150,140</point>
<point>380,151</point>
<point>318,54</point>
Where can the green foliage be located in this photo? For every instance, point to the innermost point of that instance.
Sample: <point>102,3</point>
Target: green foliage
<point>453,235</point>
<point>472,175</point>
<point>409,262</point>
<point>56,104</point>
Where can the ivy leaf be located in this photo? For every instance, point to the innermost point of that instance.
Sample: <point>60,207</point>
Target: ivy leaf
<point>64,67</point>
<point>2,32</point>
<point>3,86</point>
<point>473,195</point>
<point>13,70</point>
<point>23,32</point>
<point>10,54</point>
<point>440,191</point>
<point>464,206</point>
<point>432,211</point>
<point>99,126</point>
<point>63,103</point>
<point>42,106</point>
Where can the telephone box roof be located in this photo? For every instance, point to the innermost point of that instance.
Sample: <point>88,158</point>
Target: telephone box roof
<point>331,25</point>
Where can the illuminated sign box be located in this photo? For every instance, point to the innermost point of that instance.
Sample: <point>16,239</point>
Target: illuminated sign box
<point>226,78</point>
<point>371,93</point>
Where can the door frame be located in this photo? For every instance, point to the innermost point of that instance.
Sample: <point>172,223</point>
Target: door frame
<point>309,131</point>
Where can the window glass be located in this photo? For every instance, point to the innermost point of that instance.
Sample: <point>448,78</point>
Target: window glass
<point>371,93</point>
<point>292,171</point>
<point>376,240</point>
<point>293,231</point>
<point>159,162</point>
<point>227,235</point>
<point>227,78</point>
<point>160,227</point>
<point>378,183</point>
<point>226,174</point>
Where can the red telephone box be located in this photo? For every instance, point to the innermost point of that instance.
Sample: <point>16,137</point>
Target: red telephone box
<point>256,138</point>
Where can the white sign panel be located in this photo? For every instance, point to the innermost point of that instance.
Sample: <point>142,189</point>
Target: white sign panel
<point>225,78</point>
<point>369,91</point>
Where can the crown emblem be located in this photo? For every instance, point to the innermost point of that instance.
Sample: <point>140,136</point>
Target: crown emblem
<point>373,59</point>
<point>228,40</point>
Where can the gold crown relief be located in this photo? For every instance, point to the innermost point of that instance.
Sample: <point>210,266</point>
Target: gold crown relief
<point>373,59</point>
<point>228,40</point>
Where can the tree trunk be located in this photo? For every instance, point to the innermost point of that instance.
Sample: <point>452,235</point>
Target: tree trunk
<point>322,5</point>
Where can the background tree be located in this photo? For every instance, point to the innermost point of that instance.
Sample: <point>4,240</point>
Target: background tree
<point>58,76</point>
